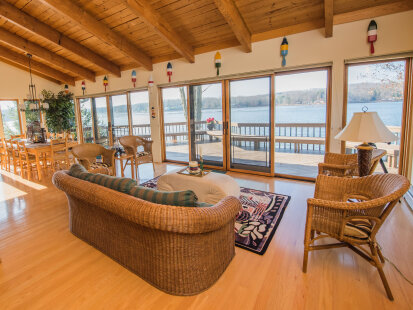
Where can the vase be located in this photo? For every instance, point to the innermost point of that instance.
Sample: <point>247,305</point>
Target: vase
<point>211,126</point>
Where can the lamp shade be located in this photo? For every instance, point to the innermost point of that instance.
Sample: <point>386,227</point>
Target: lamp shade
<point>366,127</point>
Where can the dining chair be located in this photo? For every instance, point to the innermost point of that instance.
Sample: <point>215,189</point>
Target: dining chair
<point>28,161</point>
<point>13,157</point>
<point>3,154</point>
<point>17,136</point>
<point>352,211</point>
<point>58,156</point>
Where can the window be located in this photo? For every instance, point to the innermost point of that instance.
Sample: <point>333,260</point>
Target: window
<point>10,118</point>
<point>120,116</point>
<point>86,117</point>
<point>378,87</point>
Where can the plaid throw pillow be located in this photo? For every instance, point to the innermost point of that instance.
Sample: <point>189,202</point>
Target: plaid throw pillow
<point>118,184</point>
<point>178,198</point>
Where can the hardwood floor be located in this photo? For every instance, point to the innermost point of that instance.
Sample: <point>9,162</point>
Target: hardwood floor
<point>45,267</point>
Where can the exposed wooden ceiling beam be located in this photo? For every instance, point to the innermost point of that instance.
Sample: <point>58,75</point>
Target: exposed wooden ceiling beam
<point>39,51</point>
<point>100,30</point>
<point>36,66</point>
<point>233,17</point>
<point>162,27</point>
<point>37,27</point>
<point>328,18</point>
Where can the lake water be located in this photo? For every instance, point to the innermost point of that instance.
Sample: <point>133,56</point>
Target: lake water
<point>389,112</point>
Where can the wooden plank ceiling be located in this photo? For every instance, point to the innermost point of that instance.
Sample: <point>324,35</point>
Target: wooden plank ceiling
<point>84,38</point>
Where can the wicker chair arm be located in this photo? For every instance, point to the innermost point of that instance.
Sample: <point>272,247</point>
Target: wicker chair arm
<point>84,162</point>
<point>154,216</point>
<point>340,205</point>
<point>336,169</point>
<point>109,157</point>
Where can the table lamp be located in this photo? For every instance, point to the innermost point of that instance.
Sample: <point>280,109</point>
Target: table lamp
<point>365,127</point>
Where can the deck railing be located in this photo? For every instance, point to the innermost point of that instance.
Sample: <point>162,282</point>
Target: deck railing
<point>254,135</point>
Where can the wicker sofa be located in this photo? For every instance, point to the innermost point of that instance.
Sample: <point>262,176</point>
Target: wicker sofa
<point>179,250</point>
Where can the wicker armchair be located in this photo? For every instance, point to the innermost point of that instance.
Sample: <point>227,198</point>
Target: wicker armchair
<point>346,165</point>
<point>86,154</point>
<point>131,144</point>
<point>352,210</point>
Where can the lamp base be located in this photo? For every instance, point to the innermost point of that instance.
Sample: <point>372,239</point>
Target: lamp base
<point>364,155</point>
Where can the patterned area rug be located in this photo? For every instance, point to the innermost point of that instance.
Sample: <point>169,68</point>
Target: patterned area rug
<point>257,221</point>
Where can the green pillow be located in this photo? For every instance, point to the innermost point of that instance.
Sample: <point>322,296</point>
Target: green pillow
<point>179,198</point>
<point>118,184</point>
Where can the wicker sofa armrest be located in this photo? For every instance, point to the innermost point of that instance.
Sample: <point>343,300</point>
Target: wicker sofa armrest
<point>185,220</point>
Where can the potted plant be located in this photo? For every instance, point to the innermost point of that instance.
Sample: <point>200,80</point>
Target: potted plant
<point>211,122</point>
<point>60,112</point>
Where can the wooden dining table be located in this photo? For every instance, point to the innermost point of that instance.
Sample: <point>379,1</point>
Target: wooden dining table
<point>37,149</point>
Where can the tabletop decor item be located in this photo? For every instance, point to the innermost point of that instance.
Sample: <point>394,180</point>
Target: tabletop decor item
<point>211,122</point>
<point>368,128</point>
<point>372,35</point>
<point>284,51</point>
<point>193,167</point>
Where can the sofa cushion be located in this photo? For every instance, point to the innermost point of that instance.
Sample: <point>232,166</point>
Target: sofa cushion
<point>118,184</point>
<point>358,228</point>
<point>178,198</point>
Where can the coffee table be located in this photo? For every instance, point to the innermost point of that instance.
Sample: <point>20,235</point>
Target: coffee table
<point>210,188</point>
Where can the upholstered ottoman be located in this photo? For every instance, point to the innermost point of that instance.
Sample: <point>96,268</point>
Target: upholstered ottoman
<point>211,188</point>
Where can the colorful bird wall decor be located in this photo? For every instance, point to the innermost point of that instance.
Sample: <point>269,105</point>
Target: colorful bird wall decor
<point>66,89</point>
<point>105,82</point>
<point>372,35</point>
<point>284,51</point>
<point>83,87</point>
<point>150,81</point>
<point>134,78</point>
<point>217,61</point>
<point>169,71</point>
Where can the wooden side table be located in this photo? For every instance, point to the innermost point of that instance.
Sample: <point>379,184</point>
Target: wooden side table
<point>123,161</point>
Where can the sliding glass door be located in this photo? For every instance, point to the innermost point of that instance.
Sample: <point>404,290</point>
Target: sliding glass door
<point>301,101</point>
<point>175,123</point>
<point>100,121</point>
<point>206,123</point>
<point>141,122</point>
<point>379,87</point>
<point>119,116</point>
<point>250,118</point>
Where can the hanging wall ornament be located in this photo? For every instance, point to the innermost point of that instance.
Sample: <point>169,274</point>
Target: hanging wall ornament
<point>284,51</point>
<point>153,112</point>
<point>105,82</point>
<point>134,78</point>
<point>372,35</point>
<point>66,88</point>
<point>169,71</point>
<point>217,61</point>
<point>150,81</point>
<point>83,87</point>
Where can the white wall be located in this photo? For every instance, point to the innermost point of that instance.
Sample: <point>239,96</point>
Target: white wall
<point>348,41</point>
<point>14,83</point>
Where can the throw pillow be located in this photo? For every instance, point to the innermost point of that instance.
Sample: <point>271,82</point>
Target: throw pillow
<point>118,184</point>
<point>179,198</point>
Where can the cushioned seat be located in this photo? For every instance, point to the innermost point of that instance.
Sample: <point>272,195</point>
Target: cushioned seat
<point>358,229</point>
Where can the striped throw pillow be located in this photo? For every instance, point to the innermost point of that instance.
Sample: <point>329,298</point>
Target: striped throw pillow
<point>123,185</point>
<point>358,228</point>
<point>179,198</point>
